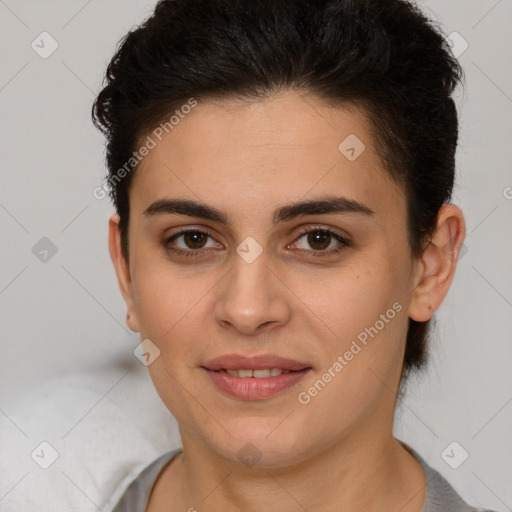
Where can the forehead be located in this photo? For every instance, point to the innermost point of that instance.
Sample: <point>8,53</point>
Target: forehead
<point>271,150</point>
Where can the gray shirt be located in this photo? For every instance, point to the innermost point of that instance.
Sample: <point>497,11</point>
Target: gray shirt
<point>439,495</point>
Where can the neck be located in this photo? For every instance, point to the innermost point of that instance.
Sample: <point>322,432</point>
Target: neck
<point>367,472</point>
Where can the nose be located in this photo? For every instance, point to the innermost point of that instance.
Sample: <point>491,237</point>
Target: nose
<point>253,298</point>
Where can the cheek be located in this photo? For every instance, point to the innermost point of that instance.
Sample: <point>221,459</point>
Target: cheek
<point>349,298</point>
<point>167,299</point>
<point>364,314</point>
<point>361,360</point>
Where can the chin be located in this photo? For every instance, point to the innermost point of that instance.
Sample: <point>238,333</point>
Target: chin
<point>262,446</point>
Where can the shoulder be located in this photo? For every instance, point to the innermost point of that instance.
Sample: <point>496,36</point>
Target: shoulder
<point>440,496</point>
<point>133,493</point>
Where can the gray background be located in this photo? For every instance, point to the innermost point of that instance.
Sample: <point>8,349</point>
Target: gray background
<point>66,316</point>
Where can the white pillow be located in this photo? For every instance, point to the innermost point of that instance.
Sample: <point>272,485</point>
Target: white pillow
<point>105,427</point>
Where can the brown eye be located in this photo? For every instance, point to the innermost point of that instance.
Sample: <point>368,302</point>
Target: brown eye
<point>321,242</point>
<point>194,239</point>
<point>189,242</point>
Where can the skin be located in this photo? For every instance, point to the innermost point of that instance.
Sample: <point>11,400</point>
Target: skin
<point>247,159</point>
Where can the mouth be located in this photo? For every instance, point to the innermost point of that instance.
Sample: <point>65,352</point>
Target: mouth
<point>255,384</point>
<point>263,373</point>
<point>259,365</point>
<point>254,377</point>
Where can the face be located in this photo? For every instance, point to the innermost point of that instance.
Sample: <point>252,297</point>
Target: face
<point>330,289</point>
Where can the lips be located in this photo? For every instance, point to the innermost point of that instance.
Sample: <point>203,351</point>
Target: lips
<point>255,388</point>
<point>261,362</point>
<point>246,377</point>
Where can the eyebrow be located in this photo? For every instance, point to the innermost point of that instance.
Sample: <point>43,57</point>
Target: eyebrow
<point>322,206</point>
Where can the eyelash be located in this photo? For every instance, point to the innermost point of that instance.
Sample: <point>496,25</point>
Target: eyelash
<point>312,254</point>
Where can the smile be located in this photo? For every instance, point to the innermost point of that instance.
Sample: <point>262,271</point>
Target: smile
<point>255,384</point>
<point>257,374</point>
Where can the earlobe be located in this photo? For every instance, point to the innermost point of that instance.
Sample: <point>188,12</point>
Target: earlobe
<point>122,270</point>
<point>437,264</point>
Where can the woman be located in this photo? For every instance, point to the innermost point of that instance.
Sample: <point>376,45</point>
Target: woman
<point>281,173</point>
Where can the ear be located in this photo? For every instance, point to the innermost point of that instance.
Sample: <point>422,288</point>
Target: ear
<point>122,270</point>
<point>436,267</point>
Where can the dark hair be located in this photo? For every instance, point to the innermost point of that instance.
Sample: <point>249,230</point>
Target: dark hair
<point>384,56</point>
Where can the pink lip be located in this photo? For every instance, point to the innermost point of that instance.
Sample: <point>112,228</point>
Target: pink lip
<point>252,388</point>
<point>239,362</point>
